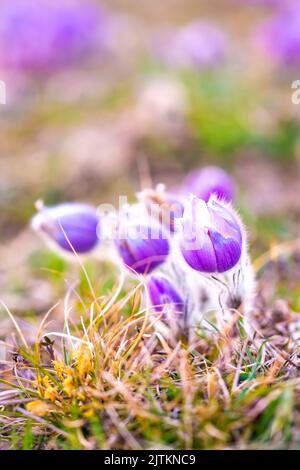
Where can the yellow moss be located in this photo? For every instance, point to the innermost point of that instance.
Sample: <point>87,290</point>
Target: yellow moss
<point>60,369</point>
<point>50,394</point>
<point>38,407</point>
<point>48,390</point>
<point>89,413</point>
<point>81,395</point>
<point>68,384</point>
<point>84,363</point>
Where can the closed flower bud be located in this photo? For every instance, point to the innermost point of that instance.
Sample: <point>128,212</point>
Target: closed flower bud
<point>208,181</point>
<point>164,297</point>
<point>142,247</point>
<point>211,240</point>
<point>70,226</point>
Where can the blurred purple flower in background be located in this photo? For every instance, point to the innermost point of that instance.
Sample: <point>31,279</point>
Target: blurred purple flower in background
<point>199,44</point>
<point>280,35</point>
<point>69,226</point>
<point>210,180</point>
<point>43,36</point>
<point>143,247</point>
<point>164,296</point>
<point>264,3</point>
<point>269,3</point>
<point>212,236</point>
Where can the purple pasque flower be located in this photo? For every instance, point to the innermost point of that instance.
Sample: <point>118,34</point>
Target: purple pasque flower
<point>70,226</point>
<point>212,236</point>
<point>199,44</point>
<point>164,296</point>
<point>43,36</point>
<point>280,35</point>
<point>210,180</point>
<point>142,247</point>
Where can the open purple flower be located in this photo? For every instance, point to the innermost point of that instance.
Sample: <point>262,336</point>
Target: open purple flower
<point>70,226</point>
<point>199,44</point>
<point>212,236</point>
<point>42,36</point>
<point>280,35</point>
<point>142,247</point>
<point>210,180</point>
<point>164,297</point>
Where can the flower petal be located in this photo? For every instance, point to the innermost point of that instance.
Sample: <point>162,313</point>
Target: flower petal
<point>227,251</point>
<point>164,296</point>
<point>222,221</point>
<point>200,257</point>
<point>72,226</point>
<point>143,248</point>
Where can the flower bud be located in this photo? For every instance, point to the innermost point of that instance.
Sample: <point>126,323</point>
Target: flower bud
<point>69,226</point>
<point>142,247</point>
<point>164,296</point>
<point>211,240</point>
<point>208,181</point>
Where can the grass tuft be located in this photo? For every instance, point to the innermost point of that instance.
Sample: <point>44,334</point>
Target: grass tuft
<point>107,379</point>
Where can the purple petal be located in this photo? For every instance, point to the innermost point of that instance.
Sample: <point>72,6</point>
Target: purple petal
<point>72,226</point>
<point>164,296</point>
<point>200,256</point>
<point>223,221</point>
<point>144,250</point>
<point>227,251</point>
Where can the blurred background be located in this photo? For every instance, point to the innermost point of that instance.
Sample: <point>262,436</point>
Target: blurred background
<point>103,98</point>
